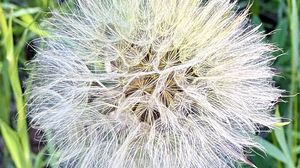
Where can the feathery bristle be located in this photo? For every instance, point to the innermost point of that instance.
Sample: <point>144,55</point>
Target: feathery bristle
<point>152,83</point>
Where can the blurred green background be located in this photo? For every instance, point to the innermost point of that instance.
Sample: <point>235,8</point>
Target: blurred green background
<point>21,146</point>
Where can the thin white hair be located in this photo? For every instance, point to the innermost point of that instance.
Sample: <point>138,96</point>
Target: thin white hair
<point>152,83</point>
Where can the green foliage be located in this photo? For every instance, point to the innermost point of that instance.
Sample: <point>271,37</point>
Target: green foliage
<point>19,24</point>
<point>12,141</point>
<point>283,143</point>
<point>14,18</point>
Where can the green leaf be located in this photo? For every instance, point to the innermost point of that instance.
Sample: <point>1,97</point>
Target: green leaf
<point>28,22</point>
<point>280,136</point>
<point>39,159</point>
<point>13,144</point>
<point>4,78</point>
<point>271,149</point>
<point>255,8</point>
<point>26,11</point>
<point>15,83</point>
<point>281,33</point>
<point>21,44</point>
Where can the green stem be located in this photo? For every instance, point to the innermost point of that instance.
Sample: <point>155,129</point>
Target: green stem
<point>22,125</point>
<point>294,30</point>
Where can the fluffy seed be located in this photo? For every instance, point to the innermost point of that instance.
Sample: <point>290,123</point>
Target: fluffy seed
<point>152,83</point>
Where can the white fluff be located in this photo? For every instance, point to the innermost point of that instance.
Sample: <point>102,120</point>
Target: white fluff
<point>152,83</point>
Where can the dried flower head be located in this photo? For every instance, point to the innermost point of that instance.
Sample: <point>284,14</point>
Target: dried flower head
<point>152,83</point>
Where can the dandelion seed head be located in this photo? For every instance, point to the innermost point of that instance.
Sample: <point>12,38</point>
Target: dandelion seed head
<point>152,83</point>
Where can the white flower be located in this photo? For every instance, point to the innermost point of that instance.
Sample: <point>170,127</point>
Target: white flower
<point>152,83</point>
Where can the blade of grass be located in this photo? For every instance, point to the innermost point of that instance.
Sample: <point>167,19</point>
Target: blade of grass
<point>21,44</point>
<point>15,84</point>
<point>28,22</point>
<point>26,11</point>
<point>280,136</point>
<point>275,142</point>
<point>272,150</point>
<point>5,89</point>
<point>4,94</point>
<point>40,159</point>
<point>281,33</point>
<point>11,140</point>
<point>293,112</point>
